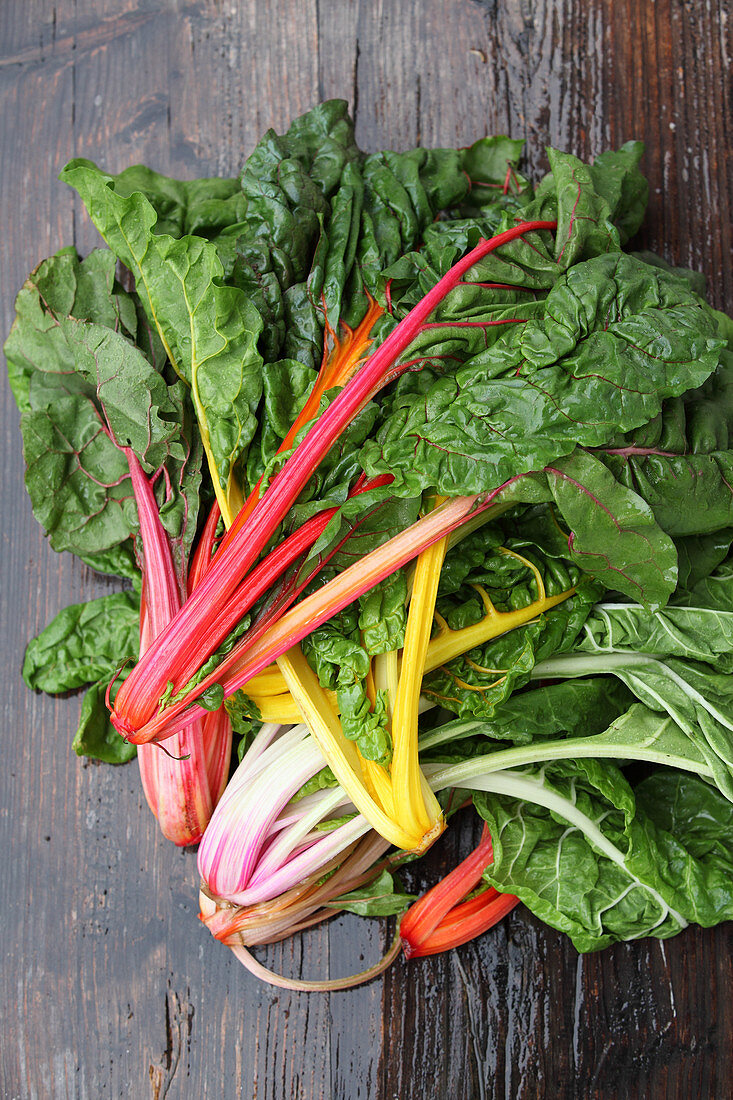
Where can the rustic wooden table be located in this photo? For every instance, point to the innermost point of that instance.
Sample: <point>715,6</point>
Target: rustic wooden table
<point>112,987</point>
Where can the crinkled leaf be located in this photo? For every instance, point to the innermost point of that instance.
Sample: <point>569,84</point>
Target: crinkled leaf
<point>476,683</point>
<point>84,642</point>
<point>576,707</point>
<point>613,533</point>
<point>118,561</point>
<point>209,330</point>
<point>567,195</point>
<point>701,822</point>
<point>670,666</point>
<point>616,339</point>
<point>690,632</point>
<point>321,781</point>
<point>383,615</point>
<point>715,589</point>
<point>571,841</point>
<point>616,176</point>
<point>697,557</point>
<point>87,391</point>
<point>81,494</point>
<point>364,722</point>
<point>337,655</point>
<point>77,474</point>
<point>696,279</point>
<point>299,233</point>
<point>63,286</point>
<point>681,462</point>
<point>202,206</point>
<point>246,720</point>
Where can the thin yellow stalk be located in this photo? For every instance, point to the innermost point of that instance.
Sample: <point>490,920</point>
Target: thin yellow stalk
<point>448,643</point>
<point>419,808</point>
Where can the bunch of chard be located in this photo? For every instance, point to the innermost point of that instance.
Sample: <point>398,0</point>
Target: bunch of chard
<point>445,431</point>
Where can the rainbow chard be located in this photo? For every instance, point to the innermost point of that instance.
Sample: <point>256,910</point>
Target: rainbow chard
<point>163,692</point>
<point>471,434</point>
<point>371,357</point>
<point>122,474</point>
<point>202,624</point>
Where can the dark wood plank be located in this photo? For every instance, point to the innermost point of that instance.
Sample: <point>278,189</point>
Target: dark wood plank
<point>119,992</point>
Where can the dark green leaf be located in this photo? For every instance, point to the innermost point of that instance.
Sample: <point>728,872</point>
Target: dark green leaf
<point>616,339</point>
<point>84,642</point>
<point>681,462</point>
<point>383,615</point>
<point>382,897</point>
<point>614,535</point>
<point>96,736</point>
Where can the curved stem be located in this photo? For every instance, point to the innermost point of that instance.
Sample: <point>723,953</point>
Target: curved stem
<point>327,986</point>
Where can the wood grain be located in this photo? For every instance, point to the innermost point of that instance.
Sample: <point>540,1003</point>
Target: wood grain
<point>115,989</point>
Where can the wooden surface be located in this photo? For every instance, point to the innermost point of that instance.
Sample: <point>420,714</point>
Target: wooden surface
<point>111,986</point>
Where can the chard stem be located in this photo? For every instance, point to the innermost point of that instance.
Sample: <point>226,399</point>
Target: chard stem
<point>419,809</point>
<point>339,753</point>
<point>329,985</point>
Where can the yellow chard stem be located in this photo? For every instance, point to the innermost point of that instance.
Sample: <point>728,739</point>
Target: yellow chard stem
<point>419,808</point>
<point>380,785</point>
<point>387,676</point>
<point>452,643</point>
<point>269,689</point>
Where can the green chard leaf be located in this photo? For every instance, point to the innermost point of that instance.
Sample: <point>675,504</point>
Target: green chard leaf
<point>616,176</point>
<point>88,392</point>
<point>96,737</point>
<point>691,632</point>
<point>573,843</point>
<point>698,821</point>
<point>321,781</point>
<point>578,708</point>
<point>206,207</point>
<point>475,684</point>
<point>675,662</point>
<point>382,897</point>
<point>569,195</point>
<point>617,338</point>
<point>209,330</point>
<point>698,556</point>
<point>383,615</point>
<point>614,535</point>
<point>297,241</point>
<point>498,561</point>
<point>715,588</point>
<point>63,285</point>
<point>84,642</point>
<point>681,462</point>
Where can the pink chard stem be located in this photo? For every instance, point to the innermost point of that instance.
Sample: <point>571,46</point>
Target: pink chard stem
<point>183,784</point>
